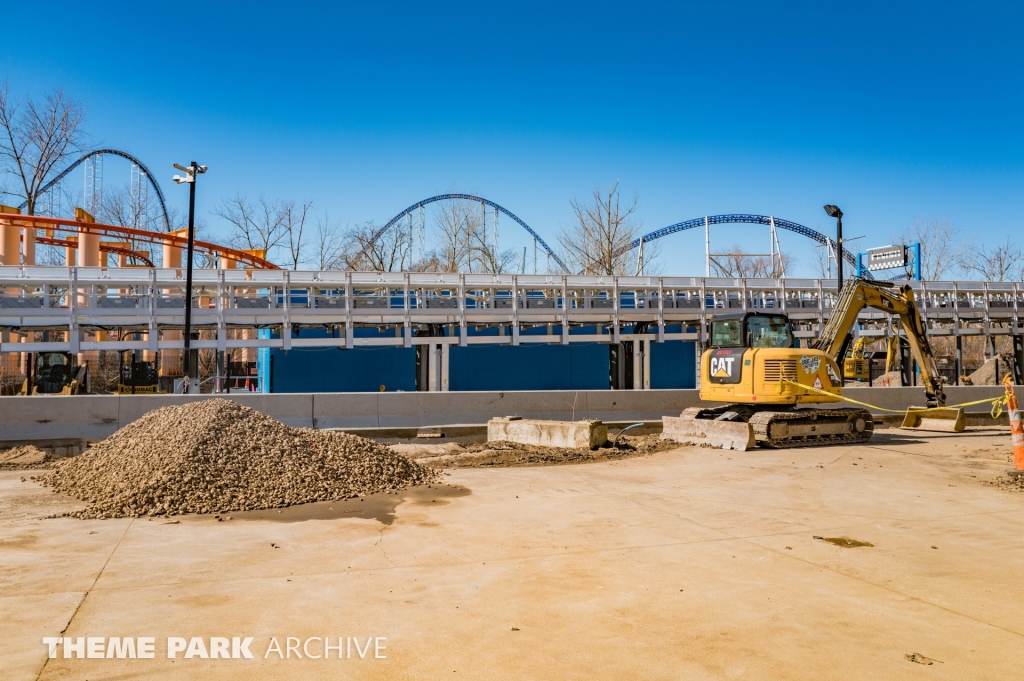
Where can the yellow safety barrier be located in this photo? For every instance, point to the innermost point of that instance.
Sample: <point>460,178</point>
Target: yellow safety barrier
<point>997,404</point>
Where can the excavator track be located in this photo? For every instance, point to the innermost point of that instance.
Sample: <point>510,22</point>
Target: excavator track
<point>811,427</point>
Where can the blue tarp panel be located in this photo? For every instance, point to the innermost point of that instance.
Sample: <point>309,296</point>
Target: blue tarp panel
<point>328,370</point>
<point>673,365</point>
<point>580,366</point>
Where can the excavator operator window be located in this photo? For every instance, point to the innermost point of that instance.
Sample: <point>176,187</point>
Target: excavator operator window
<point>769,331</point>
<point>727,333</point>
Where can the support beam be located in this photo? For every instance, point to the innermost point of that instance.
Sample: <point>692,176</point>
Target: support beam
<point>637,364</point>
<point>10,239</point>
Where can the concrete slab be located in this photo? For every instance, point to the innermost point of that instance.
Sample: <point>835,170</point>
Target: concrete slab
<point>566,434</point>
<point>692,563</point>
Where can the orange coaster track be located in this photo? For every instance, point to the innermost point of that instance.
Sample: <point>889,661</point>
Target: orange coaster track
<point>121,233</point>
<point>103,249</point>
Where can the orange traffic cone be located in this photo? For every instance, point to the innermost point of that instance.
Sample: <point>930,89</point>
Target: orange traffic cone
<point>1016,430</point>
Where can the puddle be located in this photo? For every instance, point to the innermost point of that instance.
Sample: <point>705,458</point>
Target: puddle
<point>845,542</point>
<point>379,507</point>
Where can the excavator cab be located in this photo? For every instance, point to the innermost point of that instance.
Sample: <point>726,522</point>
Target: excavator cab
<point>751,330</point>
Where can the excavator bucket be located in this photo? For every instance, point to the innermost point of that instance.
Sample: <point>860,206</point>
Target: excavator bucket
<point>945,420</point>
<point>736,435</point>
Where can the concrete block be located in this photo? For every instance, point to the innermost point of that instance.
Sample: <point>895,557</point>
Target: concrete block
<point>570,434</point>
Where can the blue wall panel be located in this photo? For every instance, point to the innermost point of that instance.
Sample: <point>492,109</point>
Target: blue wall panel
<point>673,365</point>
<point>328,370</point>
<point>580,366</point>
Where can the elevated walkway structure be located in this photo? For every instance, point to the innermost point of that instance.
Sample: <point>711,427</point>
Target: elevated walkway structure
<point>413,306</point>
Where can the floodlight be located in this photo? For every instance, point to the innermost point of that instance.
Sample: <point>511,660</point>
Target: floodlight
<point>833,211</point>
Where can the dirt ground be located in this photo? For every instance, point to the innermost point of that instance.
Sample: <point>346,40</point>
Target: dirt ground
<point>899,559</point>
<point>505,454</point>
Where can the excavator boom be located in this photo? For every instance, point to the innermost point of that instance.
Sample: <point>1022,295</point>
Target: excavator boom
<point>859,294</point>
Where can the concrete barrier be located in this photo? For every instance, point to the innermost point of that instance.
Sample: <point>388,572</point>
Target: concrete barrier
<point>86,418</point>
<point>57,418</point>
<point>295,409</point>
<point>345,410</point>
<point>638,405</point>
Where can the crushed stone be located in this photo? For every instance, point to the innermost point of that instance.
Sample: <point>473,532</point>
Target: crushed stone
<point>1008,483</point>
<point>216,455</point>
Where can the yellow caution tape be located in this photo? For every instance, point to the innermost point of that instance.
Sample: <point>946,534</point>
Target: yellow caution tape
<point>997,403</point>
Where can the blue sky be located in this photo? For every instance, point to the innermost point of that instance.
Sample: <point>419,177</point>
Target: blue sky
<point>894,111</point>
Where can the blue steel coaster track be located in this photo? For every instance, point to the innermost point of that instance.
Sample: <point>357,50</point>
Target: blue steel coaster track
<point>470,197</point>
<point>114,152</point>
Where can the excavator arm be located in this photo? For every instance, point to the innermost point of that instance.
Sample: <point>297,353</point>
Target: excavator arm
<point>858,294</point>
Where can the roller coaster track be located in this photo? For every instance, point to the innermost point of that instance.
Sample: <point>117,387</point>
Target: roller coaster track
<point>469,197</point>
<point>143,235</point>
<point>115,152</point>
<point>103,249</point>
<point>738,218</point>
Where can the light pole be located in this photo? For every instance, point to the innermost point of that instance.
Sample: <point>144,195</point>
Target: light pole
<point>191,171</point>
<point>834,212</point>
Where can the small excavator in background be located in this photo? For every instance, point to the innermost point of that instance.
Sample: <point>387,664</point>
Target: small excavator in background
<point>762,379</point>
<point>137,377</point>
<point>56,373</point>
<point>857,367</point>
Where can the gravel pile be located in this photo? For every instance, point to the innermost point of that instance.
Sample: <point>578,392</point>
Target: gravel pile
<point>216,455</point>
<point>26,456</point>
<point>993,370</point>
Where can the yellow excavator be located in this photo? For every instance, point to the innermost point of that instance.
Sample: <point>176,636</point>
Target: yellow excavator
<point>762,379</point>
<point>857,368</point>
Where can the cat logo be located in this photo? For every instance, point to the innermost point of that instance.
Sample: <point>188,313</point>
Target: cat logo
<point>725,365</point>
<point>721,367</point>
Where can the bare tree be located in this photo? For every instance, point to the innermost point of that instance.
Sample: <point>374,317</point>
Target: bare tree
<point>1002,263</point>
<point>294,218</point>
<point>487,258</point>
<point>738,263</point>
<point>822,263</point>
<point>328,245</point>
<point>391,252</point>
<point>36,138</point>
<point>120,206</point>
<point>943,246</point>
<point>597,240</point>
<point>457,226</point>
<point>462,243</point>
<point>256,225</point>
